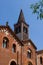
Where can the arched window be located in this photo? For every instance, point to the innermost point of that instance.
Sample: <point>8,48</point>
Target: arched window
<point>29,63</point>
<point>29,53</point>
<point>18,29</point>
<point>40,60</point>
<point>25,30</point>
<point>5,42</point>
<point>14,48</point>
<point>13,63</point>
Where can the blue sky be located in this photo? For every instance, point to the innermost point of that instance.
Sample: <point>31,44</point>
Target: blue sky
<point>9,11</point>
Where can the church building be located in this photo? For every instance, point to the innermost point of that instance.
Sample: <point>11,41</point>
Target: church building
<point>16,48</point>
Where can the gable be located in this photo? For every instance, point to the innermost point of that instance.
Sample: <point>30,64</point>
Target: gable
<point>29,42</point>
<point>7,30</point>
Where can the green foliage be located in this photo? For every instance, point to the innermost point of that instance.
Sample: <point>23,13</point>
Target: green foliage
<point>38,9</point>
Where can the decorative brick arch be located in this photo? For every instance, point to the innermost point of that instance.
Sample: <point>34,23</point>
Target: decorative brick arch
<point>30,63</point>
<point>13,62</point>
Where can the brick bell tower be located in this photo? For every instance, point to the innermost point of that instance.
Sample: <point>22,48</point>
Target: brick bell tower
<point>21,28</point>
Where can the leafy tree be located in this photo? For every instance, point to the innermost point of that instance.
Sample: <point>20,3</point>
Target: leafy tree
<point>38,9</point>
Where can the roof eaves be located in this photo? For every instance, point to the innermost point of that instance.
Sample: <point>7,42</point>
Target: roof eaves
<point>33,44</point>
<point>14,35</point>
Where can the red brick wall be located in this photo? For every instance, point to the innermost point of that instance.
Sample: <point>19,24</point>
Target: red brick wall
<point>38,59</point>
<point>6,54</point>
<point>26,60</point>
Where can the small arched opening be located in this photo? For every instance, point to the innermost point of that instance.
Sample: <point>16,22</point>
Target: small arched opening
<point>29,63</point>
<point>13,63</point>
<point>40,60</point>
<point>5,42</point>
<point>14,48</point>
<point>29,53</point>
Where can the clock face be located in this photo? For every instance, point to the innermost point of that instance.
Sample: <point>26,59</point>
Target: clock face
<point>28,43</point>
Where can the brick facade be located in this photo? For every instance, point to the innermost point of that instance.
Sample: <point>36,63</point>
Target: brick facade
<point>24,47</point>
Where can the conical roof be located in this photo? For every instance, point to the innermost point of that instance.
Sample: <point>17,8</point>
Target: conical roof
<point>21,17</point>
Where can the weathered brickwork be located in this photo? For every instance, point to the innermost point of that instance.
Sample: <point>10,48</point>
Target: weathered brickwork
<point>17,48</point>
<point>6,54</point>
<point>40,55</point>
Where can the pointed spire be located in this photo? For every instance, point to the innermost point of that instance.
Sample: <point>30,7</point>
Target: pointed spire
<point>21,17</point>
